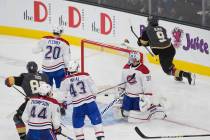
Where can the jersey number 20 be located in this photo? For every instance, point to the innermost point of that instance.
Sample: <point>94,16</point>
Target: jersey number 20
<point>52,52</point>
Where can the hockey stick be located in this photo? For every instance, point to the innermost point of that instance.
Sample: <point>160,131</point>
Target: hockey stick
<point>19,91</point>
<point>112,103</point>
<point>144,47</point>
<point>64,135</point>
<point>138,131</point>
<point>131,78</point>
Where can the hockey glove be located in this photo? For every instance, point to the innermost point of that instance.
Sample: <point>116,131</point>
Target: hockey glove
<point>67,73</point>
<point>63,111</point>
<point>63,108</point>
<point>139,42</point>
<point>57,131</point>
<point>10,81</point>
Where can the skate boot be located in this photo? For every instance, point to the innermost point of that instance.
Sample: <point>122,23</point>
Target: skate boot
<point>188,76</point>
<point>100,138</point>
<point>178,79</point>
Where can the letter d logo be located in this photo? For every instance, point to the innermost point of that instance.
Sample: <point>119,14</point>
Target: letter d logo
<point>72,22</point>
<point>105,19</point>
<point>37,11</point>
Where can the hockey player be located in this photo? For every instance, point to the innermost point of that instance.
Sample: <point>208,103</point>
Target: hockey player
<point>82,90</point>
<point>42,114</point>
<point>138,89</point>
<point>29,82</point>
<point>56,56</point>
<point>155,36</point>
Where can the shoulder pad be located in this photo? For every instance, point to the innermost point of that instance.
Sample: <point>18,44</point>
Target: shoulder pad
<point>143,69</point>
<point>48,37</point>
<point>126,66</point>
<point>63,40</point>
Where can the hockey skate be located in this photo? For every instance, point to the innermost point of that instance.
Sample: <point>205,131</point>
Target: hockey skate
<point>188,76</point>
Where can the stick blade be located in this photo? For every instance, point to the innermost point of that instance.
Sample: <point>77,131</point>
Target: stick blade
<point>140,133</point>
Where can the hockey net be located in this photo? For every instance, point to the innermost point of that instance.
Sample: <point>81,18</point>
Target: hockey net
<point>104,62</point>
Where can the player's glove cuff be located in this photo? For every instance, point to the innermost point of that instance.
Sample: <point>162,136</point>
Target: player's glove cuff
<point>10,81</point>
<point>57,131</point>
<point>139,42</point>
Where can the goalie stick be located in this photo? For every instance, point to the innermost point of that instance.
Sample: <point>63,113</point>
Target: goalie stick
<point>138,131</point>
<point>131,78</point>
<point>112,103</point>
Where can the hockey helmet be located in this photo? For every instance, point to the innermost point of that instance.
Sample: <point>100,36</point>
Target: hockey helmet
<point>57,30</point>
<point>45,89</point>
<point>32,67</point>
<point>153,20</point>
<point>134,56</point>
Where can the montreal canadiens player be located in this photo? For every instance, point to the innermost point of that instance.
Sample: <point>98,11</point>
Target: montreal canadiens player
<point>56,56</point>
<point>82,90</point>
<point>138,98</point>
<point>42,114</point>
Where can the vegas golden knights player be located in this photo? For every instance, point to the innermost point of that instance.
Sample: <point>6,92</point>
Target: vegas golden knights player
<point>29,82</point>
<point>155,36</point>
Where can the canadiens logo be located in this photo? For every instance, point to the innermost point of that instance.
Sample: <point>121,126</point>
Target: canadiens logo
<point>177,34</point>
<point>131,80</point>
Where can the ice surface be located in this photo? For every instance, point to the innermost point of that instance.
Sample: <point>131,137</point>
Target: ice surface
<point>188,110</point>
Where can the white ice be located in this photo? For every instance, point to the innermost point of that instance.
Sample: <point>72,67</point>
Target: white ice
<point>188,111</point>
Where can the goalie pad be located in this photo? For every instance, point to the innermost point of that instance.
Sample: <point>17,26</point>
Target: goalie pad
<point>153,112</point>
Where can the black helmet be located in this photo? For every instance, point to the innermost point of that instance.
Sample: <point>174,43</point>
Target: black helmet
<point>32,67</point>
<point>153,20</point>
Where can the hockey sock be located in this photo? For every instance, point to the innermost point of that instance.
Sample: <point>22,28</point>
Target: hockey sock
<point>20,126</point>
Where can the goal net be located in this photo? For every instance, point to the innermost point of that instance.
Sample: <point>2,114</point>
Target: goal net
<point>104,62</point>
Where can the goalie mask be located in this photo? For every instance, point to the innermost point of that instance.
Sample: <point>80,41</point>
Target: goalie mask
<point>45,89</point>
<point>57,30</point>
<point>134,58</point>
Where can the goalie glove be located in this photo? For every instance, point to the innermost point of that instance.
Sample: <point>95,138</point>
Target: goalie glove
<point>10,81</point>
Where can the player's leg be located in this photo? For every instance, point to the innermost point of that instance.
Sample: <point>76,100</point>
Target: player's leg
<point>47,134</point>
<point>33,134</point>
<point>166,62</point>
<point>50,77</point>
<point>20,125</point>
<point>127,105</point>
<point>96,120</point>
<point>59,76</point>
<point>78,118</point>
<point>135,102</point>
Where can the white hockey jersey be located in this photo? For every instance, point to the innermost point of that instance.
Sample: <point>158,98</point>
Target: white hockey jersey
<point>140,84</point>
<point>80,87</point>
<point>42,112</point>
<point>56,53</point>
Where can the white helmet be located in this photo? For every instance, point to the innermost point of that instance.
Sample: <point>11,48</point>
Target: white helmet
<point>57,30</point>
<point>74,67</point>
<point>134,56</point>
<point>44,89</point>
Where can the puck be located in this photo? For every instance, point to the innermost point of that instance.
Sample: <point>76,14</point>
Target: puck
<point>105,94</point>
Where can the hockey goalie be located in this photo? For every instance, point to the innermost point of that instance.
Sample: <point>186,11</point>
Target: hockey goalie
<point>139,103</point>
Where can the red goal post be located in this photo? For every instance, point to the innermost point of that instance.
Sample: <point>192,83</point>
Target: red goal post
<point>101,47</point>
